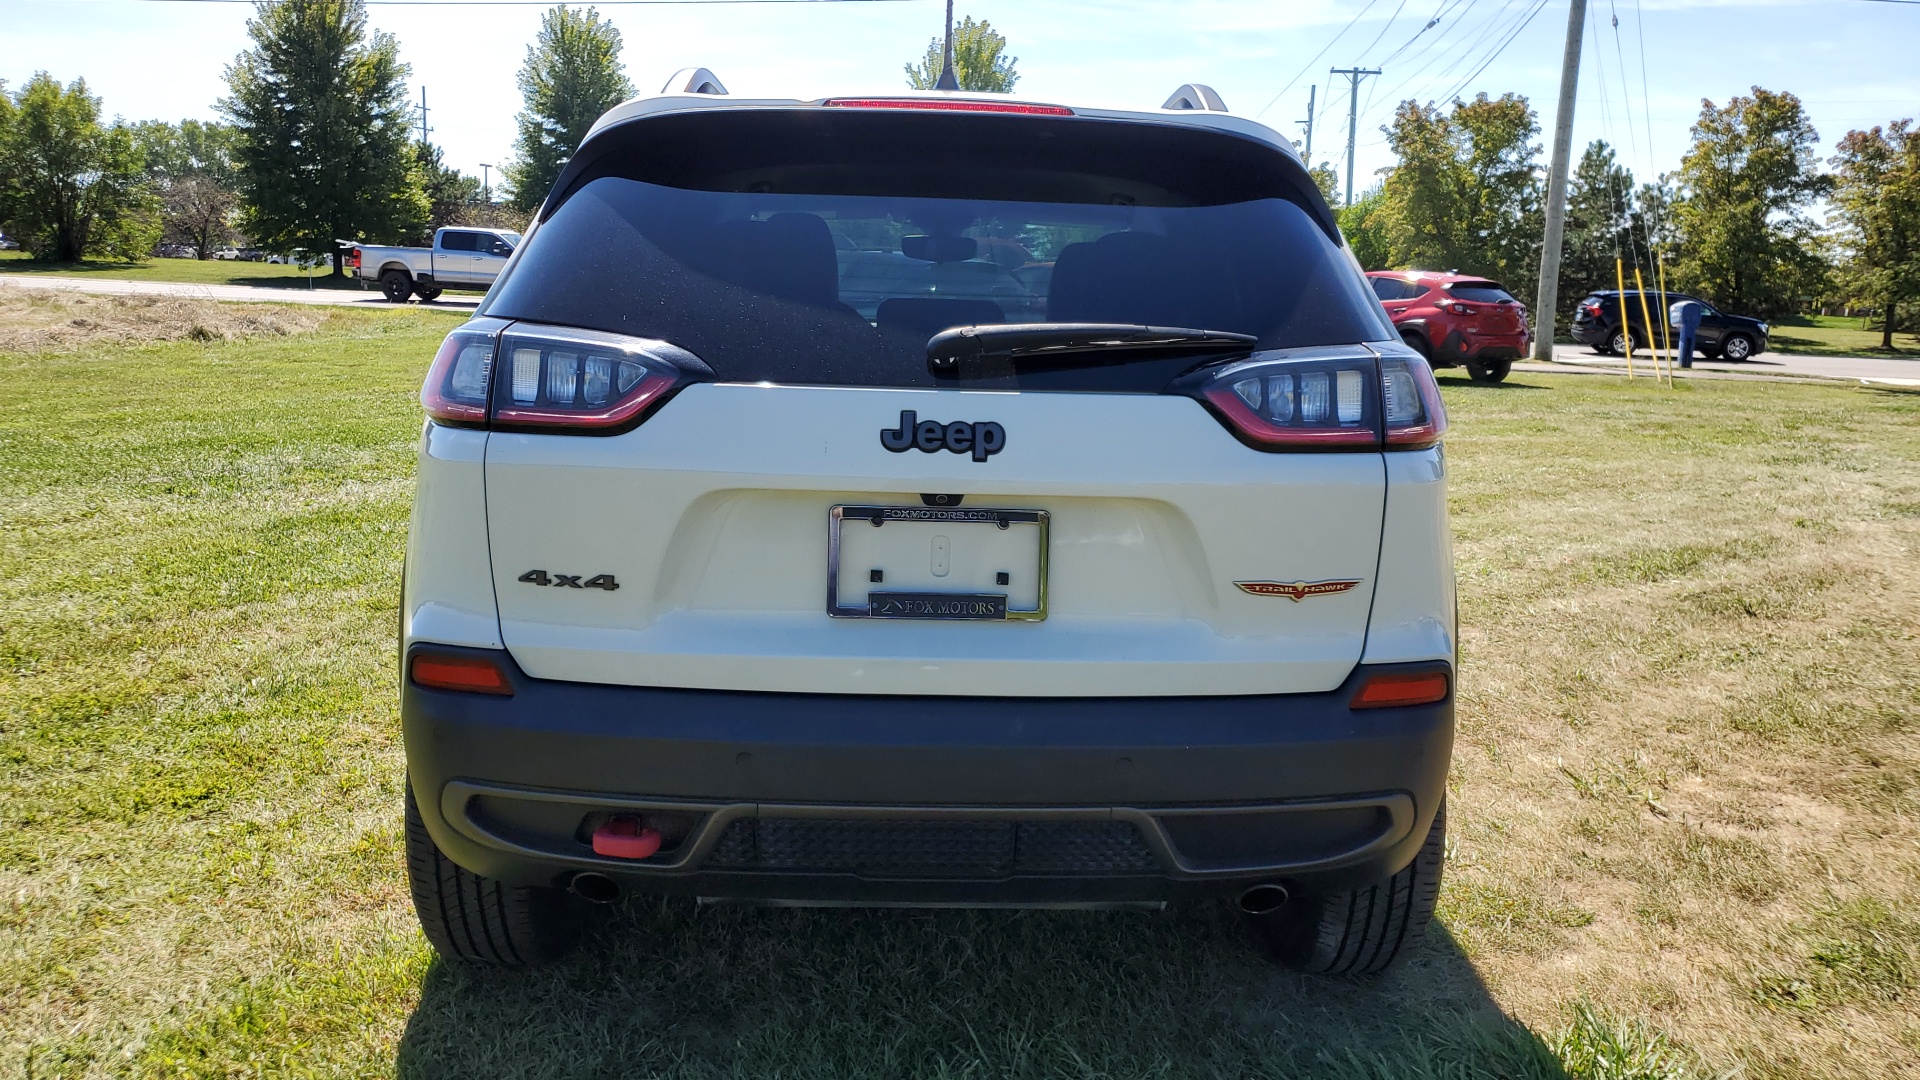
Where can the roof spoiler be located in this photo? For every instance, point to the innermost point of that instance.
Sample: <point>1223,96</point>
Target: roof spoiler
<point>1198,96</point>
<point>694,81</point>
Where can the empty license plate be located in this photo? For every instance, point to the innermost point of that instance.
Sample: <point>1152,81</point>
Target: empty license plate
<point>910,562</point>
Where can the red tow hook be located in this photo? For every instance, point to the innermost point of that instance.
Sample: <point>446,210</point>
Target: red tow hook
<point>625,838</point>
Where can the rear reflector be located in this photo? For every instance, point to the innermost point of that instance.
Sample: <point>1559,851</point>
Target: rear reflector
<point>472,674</point>
<point>950,105</point>
<point>1401,688</point>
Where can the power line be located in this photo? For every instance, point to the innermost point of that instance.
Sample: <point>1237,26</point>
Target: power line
<point>1538,6</point>
<point>1316,58</point>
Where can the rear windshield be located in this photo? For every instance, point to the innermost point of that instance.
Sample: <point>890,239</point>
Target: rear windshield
<point>1482,292</point>
<point>825,248</point>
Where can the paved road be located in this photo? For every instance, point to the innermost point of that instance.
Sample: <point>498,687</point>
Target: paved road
<point>1766,364</point>
<point>1574,356</point>
<point>370,297</point>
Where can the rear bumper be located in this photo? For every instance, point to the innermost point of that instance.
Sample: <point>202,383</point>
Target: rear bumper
<point>1460,347</point>
<point>930,800</point>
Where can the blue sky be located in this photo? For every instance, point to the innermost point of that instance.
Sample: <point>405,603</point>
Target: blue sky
<point>1851,60</point>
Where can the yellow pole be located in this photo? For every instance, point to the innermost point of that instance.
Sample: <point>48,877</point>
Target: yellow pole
<point>1641,284</point>
<point>1626,331</point>
<point>1666,336</point>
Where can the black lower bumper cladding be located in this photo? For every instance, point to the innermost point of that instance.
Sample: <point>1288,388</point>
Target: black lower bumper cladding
<point>864,798</point>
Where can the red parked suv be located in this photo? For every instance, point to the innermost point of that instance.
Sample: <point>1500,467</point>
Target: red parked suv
<point>1454,319</point>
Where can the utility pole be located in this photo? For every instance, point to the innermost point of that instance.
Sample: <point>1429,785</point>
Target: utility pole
<point>486,182</point>
<point>949,79</point>
<point>1353,116</point>
<point>1312,91</point>
<point>422,110</point>
<point>1547,298</point>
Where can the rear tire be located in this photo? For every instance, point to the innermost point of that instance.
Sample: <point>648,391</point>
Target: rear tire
<point>1363,931</point>
<point>476,920</point>
<point>396,286</point>
<point>428,293</point>
<point>1488,371</point>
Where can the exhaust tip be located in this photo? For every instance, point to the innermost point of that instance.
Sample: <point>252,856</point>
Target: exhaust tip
<point>594,888</point>
<point>1263,899</point>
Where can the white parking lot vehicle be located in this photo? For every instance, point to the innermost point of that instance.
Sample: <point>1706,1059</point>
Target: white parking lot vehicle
<point>932,498</point>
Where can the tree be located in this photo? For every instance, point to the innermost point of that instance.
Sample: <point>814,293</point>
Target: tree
<point>199,213</point>
<point>1600,220</point>
<point>1746,242</point>
<point>1466,193</point>
<point>449,191</point>
<point>571,76</point>
<point>189,148</point>
<point>191,167</point>
<point>978,60</point>
<point>1365,225</point>
<point>70,187</point>
<point>1876,198</point>
<point>322,121</point>
<point>1328,181</point>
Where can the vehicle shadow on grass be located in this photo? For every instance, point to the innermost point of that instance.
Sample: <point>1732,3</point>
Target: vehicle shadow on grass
<point>665,988</point>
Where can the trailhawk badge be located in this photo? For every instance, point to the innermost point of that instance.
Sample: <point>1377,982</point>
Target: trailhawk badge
<point>1295,590</point>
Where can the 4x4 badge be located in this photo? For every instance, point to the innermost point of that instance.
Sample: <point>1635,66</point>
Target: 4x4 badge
<point>983,439</point>
<point>1295,590</point>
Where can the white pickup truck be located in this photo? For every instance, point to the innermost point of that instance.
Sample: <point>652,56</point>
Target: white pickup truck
<point>459,257</point>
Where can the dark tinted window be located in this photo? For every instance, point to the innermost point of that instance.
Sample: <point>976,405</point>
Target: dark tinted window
<point>457,241</point>
<point>1396,289</point>
<point>801,248</point>
<point>1482,292</point>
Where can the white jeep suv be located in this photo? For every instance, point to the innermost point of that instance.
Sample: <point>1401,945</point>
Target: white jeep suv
<point>1096,553</point>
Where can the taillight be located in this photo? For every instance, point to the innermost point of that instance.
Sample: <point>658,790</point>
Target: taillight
<point>576,379</point>
<point>1019,108</point>
<point>1399,688</point>
<point>470,674</point>
<point>456,388</point>
<point>353,260</point>
<point>1460,309</point>
<point>1591,309</point>
<point>1413,417</point>
<point>556,380</point>
<point>1346,403</point>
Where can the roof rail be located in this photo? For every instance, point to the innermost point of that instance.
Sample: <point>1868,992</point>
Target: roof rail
<point>1196,96</point>
<point>694,81</point>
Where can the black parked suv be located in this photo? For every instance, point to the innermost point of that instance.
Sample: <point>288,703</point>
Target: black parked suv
<point>1596,322</point>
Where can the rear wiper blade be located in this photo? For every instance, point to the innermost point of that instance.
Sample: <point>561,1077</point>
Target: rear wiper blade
<point>1069,344</point>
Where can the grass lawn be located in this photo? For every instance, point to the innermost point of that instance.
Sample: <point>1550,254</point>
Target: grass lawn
<point>188,271</point>
<point>1686,798</point>
<point>1834,335</point>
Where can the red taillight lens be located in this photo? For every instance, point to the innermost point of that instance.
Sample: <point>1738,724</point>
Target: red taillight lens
<point>1461,309</point>
<point>354,259</point>
<point>552,380</point>
<point>471,674</point>
<point>1593,310</point>
<point>1387,690</point>
<point>1301,404</point>
<point>950,105</point>
<point>456,388</point>
<point>574,379</point>
<point>1415,417</point>
<point>1346,403</point>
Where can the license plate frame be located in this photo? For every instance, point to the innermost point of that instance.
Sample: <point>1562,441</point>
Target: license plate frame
<point>965,606</point>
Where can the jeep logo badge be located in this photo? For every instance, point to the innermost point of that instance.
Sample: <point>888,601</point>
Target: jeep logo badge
<point>983,440</point>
